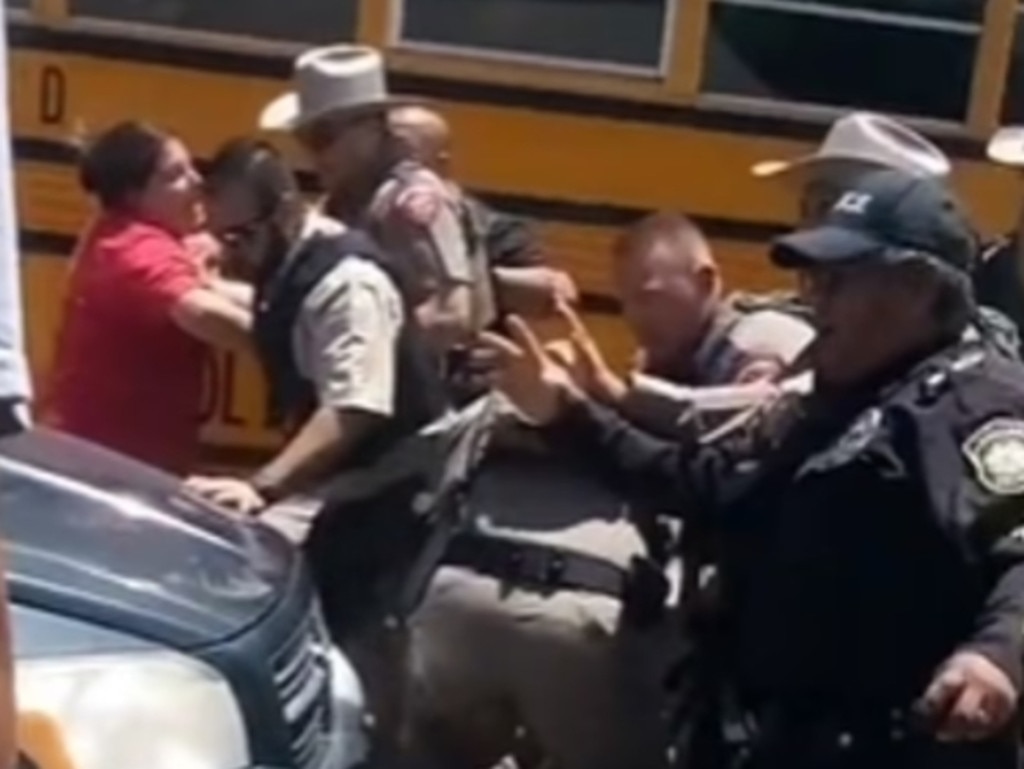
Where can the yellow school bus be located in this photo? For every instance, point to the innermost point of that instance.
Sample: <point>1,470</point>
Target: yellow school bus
<point>582,114</point>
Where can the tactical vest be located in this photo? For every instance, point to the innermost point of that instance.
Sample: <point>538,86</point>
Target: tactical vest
<point>717,358</point>
<point>786,302</point>
<point>280,292</point>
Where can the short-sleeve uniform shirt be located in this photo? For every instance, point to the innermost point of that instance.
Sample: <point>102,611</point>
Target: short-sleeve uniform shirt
<point>346,334</point>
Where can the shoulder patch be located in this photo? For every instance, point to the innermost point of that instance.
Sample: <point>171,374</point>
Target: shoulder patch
<point>996,451</point>
<point>419,203</point>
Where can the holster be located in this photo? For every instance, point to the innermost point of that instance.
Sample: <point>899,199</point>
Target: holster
<point>359,551</point>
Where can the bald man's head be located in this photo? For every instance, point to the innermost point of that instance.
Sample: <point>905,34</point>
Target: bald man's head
<point>423,135</point>
<point>675,232</point>
<point>669,283</point>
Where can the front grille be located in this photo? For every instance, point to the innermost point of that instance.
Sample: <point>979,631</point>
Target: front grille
<point>302,678</point>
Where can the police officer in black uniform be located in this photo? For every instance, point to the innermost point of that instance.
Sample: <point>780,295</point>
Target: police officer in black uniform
<point>872,533</point>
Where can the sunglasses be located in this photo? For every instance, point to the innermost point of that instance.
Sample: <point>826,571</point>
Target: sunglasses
<point>239,234</point>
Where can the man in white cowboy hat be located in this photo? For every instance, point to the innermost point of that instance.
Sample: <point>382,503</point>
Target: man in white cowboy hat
<point>856,143</point>
<point>999,279</point>
<point>861,142</point>
<point>338,113</point>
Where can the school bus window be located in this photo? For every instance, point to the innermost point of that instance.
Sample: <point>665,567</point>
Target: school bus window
<point>914,58</point>
<point>1013,98</point>
<point>310,21</point>
<point>611,32</point>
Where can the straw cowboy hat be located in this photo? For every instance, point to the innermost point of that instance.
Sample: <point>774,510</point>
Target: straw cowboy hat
<point>1007,146</point>
<point>865,137</point>
<point>346,79</point>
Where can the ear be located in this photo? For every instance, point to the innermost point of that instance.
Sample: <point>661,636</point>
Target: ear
<point>444,161</point>
<point>707,280</point>
<point>292,206</point>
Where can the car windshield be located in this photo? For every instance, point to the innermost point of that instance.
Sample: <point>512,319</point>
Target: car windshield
<point>14,377</point>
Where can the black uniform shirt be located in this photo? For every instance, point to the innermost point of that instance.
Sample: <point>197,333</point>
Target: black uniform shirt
<point>864,543</point>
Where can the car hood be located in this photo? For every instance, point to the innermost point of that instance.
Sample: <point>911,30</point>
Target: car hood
<point>93,534</point>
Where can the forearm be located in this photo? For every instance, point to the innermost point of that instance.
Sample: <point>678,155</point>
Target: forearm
<point>214,319</point>
<point>662,413</point>
<point>523,291</point>
<point>633,462</point>
<point>323,443</point>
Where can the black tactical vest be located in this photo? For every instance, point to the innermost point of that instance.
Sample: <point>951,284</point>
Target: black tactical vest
<point>280,292</point>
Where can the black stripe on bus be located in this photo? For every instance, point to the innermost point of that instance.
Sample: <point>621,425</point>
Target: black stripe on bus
<point>543,209</point>
<point>444,89</point>
<point>43,242</point>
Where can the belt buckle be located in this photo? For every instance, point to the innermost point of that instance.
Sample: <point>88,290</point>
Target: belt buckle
<point>534,565</point>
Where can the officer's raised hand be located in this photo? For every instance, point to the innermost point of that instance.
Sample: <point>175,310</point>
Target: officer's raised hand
<point>530,377</point>
<point>592,372</point>
<point>970,698</point>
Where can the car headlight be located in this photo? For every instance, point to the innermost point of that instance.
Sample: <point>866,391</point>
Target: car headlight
<point>160,710</point>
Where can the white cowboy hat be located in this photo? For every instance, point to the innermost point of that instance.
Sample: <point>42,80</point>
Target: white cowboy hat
<point>338,78</point>
<point>1007,146</point>
<point>865,137</point>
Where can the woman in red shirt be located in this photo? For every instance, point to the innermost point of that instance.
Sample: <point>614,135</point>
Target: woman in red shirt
<point>141,305</point>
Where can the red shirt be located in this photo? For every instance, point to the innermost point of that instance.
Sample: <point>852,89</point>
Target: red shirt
<point>125,375</point>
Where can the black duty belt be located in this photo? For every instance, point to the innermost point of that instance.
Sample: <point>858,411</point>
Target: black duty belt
<point>540,566</point>
<point>777,732</point>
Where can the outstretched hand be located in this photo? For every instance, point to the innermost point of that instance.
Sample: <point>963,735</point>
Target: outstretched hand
<point>536,384</point>
<point>588,365</point>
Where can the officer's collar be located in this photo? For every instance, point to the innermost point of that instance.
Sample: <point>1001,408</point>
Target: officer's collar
<point>905,368</point>
<point>314,225</point>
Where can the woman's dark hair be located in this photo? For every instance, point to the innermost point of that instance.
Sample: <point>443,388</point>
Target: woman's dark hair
<point>257,166</point>
<point>120,162</point>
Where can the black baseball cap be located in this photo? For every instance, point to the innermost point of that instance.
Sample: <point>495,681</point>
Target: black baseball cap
<point>885,217</point>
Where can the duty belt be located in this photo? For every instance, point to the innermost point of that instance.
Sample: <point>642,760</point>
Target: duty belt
<point>642,588</point>
<point>540,566</point>
<point>776,732</point>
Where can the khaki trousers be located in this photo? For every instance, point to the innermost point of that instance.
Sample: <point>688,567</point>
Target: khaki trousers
<point>487,662</point>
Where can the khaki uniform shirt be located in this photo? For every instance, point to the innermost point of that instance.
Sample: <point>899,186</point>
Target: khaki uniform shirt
<point>346,331</point>
<point>729,355</point>
<point>344,342</point>
<point>421,220</point>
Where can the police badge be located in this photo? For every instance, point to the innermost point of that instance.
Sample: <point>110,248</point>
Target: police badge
<point>996,452</point>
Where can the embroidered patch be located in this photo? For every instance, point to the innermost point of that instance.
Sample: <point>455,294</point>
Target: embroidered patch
<point>996,451</point>
<point>419,204</point>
